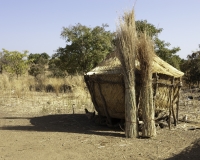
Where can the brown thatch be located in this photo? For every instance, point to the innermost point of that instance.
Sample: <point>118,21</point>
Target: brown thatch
<point>112,65</point>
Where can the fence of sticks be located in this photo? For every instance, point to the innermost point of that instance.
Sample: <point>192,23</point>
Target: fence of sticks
<point>107,88</point>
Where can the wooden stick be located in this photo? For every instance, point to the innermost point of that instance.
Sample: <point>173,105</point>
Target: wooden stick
<point>156,87</point>
<point>104,105</point>
<point>172,103</point>
<point>179,88</point>
<point>90,85</point>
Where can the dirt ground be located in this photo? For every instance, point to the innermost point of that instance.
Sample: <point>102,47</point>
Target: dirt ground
<point>27,135</point>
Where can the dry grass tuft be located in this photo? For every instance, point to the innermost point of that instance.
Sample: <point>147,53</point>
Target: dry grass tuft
<point>4,82</point>
<point>145,56</point>
<point>131,46</point>
<point>126,50</point>
<point>29,94</point>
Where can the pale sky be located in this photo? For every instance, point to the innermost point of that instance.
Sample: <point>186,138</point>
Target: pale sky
<point>35,25</point>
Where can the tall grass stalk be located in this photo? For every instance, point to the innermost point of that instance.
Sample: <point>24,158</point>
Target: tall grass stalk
<point>126,50</point>
<point>145,56</point>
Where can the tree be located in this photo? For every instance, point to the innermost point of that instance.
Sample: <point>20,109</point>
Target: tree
<point>55,68</point>
<point>161,47</point>
<point>85,47</point>
<point>168,55</point>
<point>191,67</point>
<point>39,62</point>
<point>16,62</point>
<point>150,29</point>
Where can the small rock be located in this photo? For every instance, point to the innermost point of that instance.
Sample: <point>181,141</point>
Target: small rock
<point>185,118</point>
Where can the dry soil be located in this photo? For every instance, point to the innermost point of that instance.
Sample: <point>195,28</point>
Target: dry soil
<point>45,136</point>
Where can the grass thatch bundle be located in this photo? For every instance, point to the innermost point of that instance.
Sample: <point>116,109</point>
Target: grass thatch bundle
<point>145,57</point>
<point>126,50</point>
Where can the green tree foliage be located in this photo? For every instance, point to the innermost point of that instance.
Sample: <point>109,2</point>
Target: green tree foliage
<point>2,62</point>
<point>54,67</point>
<point>85,48</point>
<point>150,29</point>
<point>191,68</point>
<point>39,62</point>
<point>15,62</point>
<point>161,47</point>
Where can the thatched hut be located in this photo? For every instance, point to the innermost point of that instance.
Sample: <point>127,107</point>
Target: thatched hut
<point>107,88</point>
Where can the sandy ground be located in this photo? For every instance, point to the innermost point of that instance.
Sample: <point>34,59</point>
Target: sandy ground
<point>28,136</point>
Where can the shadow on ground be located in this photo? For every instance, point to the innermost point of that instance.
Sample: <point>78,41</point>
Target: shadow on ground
<point>192,152</point>
<point>71,123</point>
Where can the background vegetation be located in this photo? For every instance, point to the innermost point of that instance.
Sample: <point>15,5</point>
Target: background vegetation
<point>85,48</point>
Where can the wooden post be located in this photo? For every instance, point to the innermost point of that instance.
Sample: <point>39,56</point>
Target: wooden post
<point>177,104</point>
<point>172,103</point>
<point>171,95</point>
<point>156,87</point>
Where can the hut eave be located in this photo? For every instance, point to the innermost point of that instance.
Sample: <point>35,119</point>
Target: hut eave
<point>113,66</point>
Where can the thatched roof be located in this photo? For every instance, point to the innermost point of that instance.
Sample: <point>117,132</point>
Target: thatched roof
<point>112,65</point>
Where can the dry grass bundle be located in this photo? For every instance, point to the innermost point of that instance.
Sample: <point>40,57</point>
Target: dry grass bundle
<point>126,44</point>
<point>145,56</point>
